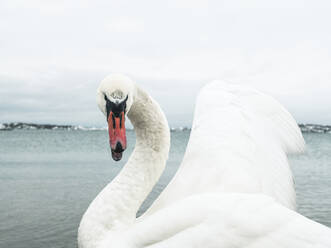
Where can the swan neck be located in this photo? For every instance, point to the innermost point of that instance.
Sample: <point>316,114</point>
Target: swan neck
<point>117,204</point>
<point>150,154</point>
<point>150,125</point>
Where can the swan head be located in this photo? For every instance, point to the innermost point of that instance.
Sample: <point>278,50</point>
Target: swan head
<point>114,98</point>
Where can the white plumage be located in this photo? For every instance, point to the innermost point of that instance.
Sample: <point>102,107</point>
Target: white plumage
<point>234,187</point>
<point>239,141</point>
<point>228,220</point>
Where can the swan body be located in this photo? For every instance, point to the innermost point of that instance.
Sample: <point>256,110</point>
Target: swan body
<point>234,187</point>
<point>227,220</point>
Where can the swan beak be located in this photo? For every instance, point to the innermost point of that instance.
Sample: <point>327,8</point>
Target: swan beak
<point>117,136</point>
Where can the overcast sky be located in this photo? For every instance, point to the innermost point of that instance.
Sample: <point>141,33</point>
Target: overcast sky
<point>53,54</point>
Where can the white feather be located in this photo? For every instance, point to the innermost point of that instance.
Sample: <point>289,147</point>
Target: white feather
<point>238,143</point>
<point>228,220</point>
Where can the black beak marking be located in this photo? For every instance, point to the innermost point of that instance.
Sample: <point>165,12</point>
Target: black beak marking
<point>117,109</point>
<point>118,148</point>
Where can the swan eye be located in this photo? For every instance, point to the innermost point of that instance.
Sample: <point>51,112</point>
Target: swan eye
<point>106,98</point>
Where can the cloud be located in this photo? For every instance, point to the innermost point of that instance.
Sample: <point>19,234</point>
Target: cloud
<point>54,54</point>
<point>126,24</point>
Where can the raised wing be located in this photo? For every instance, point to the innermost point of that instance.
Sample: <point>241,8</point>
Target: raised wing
<point>239,141</point>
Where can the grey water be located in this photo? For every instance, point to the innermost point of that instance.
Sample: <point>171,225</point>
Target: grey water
<point>49,177</point>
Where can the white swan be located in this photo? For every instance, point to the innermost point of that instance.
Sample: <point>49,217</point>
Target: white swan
<point>233,189</point>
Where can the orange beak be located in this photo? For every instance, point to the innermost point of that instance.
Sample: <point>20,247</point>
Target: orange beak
<point>117,136</point>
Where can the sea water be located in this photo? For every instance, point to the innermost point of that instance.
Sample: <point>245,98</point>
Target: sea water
<point>49,177</point>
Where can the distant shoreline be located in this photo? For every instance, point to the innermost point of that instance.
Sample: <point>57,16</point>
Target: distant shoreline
<point>33,126</point>
<point>305,128</point>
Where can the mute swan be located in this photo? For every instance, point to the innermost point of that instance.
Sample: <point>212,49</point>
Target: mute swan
<point>234,187</point>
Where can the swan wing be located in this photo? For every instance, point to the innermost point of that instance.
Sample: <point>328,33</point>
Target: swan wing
<point>239,141</point>
<point>227,220</point>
